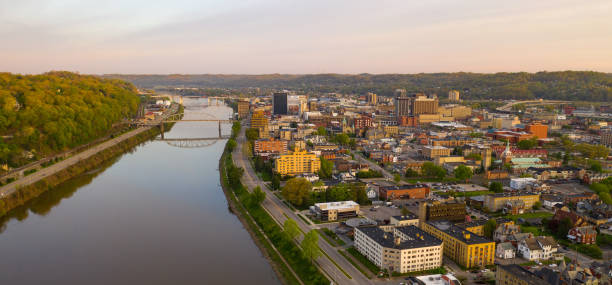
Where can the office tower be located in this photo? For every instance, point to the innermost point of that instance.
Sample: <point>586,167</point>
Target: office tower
<point>402,105</point>
<point>399,93</point>
<point>243,109</point>
<point>424,105</point>
<point>453,95</point>
<point>312,106</point>
<point>279,103</point>
<point>372,98</point>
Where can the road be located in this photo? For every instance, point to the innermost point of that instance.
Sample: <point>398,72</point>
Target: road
<point>278,210</point>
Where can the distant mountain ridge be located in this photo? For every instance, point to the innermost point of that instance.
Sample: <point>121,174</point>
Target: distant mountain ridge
<point>563,85</point>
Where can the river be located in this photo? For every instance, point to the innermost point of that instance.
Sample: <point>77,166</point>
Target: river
<point>155,215</point>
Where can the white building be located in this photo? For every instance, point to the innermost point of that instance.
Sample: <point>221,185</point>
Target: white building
<point>505,250</point>
<point>405,249</point>
<point>542,247</point>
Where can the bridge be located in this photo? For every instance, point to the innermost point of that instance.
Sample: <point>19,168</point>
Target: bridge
<point>191,142</point>
<point>179,118</point>
<point>508,106</point>
<point>179,98</point>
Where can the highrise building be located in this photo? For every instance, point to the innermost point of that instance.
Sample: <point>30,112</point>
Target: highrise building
<point>424,105</point>
<point>399,93</point>
<point>372,98</point>
<point>279,103</point>
<point>260,122</point>
<point>243,109</point>
<point>402,105</point>
<point>312,106</point>
<point>453,95</point>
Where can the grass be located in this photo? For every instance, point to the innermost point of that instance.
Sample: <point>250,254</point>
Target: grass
<point>590,250</point>
<point>365,273</point>
<point>304,219</point>
<point>530,215</point>
<point>334,236</point>
<point>326,238</point>
<point>363,260</point>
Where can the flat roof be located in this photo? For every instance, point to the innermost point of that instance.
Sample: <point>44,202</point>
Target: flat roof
<point>438,279</point>
<point>457,232</point>
<point>416,237</point>
<point>336,205</point>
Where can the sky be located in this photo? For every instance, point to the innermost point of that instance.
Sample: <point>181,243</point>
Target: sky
<point>299,37</point>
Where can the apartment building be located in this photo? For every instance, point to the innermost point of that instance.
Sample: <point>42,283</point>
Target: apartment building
<point>260,121</point>
<point>463,247</point>
<point>270,146</point>
<point>514,274</point>
<point>477,226</point>
<point>243,109</point>
<point>298,162</point>
<point>405,249</point>
<point>453,211</point>
<point>333,211</point>
<point>430,151</point>
<point>495,202</point>
<point>453,142</point>
<point>424,105</point>
<point>453,95</point>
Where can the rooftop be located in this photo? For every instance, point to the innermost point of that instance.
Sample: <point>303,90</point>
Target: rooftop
<point>458,233</point>
<point>336,205</point>
<point>522,274</point>
<point>416,237</point>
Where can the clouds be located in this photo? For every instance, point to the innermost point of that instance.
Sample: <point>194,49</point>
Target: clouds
<point>304,36</point>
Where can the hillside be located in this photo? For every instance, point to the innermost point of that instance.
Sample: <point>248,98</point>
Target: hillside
<point>565,85</point>
<point>58,110</point>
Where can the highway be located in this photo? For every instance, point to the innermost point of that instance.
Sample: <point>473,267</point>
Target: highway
<point>278,210</point>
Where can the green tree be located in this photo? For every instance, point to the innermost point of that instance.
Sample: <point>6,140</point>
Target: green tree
<point>291,229</point>
<point>257,196</point>
<point>431,170</point>
<point>342,139</point>
<point>527,144</point>
<point>275,183</point>
<point>489,228</point>
<point>327,168</point>
<point>252,134</point>
<point>231,145</point>
<point>411,173</point>
<point>297,191</point>
<point>595,166</point>
<point>397,178</point>
<point>537,205</point>
<point>496,187</point>
<point>310,245</point>
<point>463,172</point>
<point>599,188</point>
<point>605,197</point>
<point>322,131</point>
<point>563,228</point>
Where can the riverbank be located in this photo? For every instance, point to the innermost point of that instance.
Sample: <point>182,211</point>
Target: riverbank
<point>22,194</point>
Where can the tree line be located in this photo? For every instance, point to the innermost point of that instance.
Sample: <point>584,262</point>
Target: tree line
<point>563,85</point>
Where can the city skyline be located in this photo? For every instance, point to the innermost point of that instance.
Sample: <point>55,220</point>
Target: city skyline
<point>263,37</point>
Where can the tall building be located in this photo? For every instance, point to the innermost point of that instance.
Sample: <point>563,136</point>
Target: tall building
<point>453,95</point>
<point>606,138</point>
<point>260,121</point>
<point>403,105</point>
<point>243,109</point>
<point>279,103</point>
<point>465,248</point>
<point>312,106</point>
<point>270,146</point>
<point>424,105</point>
<point>298,162</point>
<point>372,98</point>
<point>402,249</point>
<point>399,93</point>
<point>538,130</point>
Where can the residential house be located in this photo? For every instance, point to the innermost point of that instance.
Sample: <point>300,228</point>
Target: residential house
<point>536,248</point>
<point>584,235</point>
<point>505,250</point>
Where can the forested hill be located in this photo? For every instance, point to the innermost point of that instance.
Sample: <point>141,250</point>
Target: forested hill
<point>566,85</point>
<point>58,110</point>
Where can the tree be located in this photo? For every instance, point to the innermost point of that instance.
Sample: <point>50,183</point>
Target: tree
<point>342,139</point>
<point>411,173</point>
<point>474,156</point>
<point>463,172</point>
<point>563,228</point>
<point>496,187</point>
<point>605,197</point>
<point>537,205</point>
<point>252,134</point>
<point>291,229</point>
<point>275,182</point>
<point>527,144</point>
<point>327,168</point>
<point>431,170</point>
<point>231,145</point>
<point>322,131</point>
<point>599,188</point>
<point>397,178</point>
<point>257,196</point>
<point>405,211</point>
<point>297,191</point>
<point>595,166</point>
<point>369,174</point>
<point>310,245</point>
<point>489,228</point>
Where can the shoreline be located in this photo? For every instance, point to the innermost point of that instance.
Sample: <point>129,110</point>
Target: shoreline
<point>232,206</point>
<point>23,194</point>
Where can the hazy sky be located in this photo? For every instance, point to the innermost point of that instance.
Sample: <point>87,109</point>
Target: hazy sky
<point>352,36</point>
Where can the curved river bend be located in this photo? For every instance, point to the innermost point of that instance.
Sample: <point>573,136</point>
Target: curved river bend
<point>156,215</point>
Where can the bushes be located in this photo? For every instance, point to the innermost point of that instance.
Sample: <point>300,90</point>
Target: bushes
<point>369,174</point>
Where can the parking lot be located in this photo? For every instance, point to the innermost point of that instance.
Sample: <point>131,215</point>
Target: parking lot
<point>569,188</point>
<point>380,213</point>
